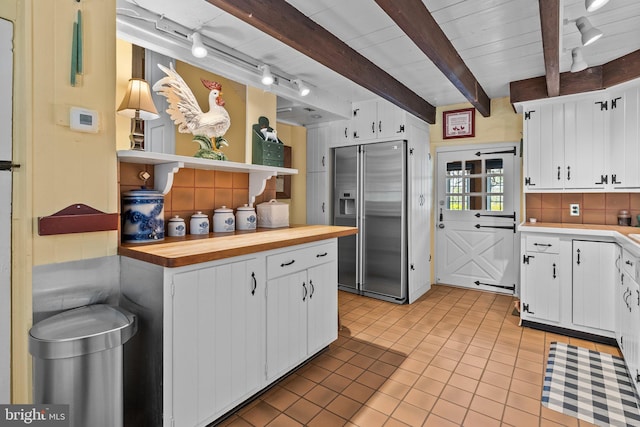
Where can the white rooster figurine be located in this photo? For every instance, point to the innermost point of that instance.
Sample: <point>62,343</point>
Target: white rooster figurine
<point>187,114</point>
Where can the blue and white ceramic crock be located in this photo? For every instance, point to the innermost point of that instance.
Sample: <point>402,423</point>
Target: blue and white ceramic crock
<point>142,216</point>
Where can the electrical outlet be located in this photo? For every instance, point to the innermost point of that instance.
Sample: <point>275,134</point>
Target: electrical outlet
<point>574,209</point>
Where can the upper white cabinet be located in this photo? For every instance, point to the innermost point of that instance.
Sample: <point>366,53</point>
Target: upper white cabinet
<point>586,142</point>
<point>624,144</point>
<point>377,119</point>
<point>340,133</point>
<point>318,148</point>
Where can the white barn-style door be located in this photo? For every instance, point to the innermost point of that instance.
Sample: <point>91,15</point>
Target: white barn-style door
<point>477,211</point>
<point>6,123</point>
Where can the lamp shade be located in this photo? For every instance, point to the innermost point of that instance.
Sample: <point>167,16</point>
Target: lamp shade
<point>577,60</point>
<point>138,99</point>
<point>592,5</point>
<point>589,32</point>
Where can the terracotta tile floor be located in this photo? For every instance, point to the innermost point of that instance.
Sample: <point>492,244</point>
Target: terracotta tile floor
<point>454,358</point>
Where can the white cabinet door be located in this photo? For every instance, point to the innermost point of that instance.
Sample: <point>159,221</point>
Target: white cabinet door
<point>629,312</point>
<point>317,148</point>
<point>624,139</point>
<point>364,119</point>
<point>286,323</point>
<point>322,301</point>
<point>318,189</point>
<point>585,137</point>
<point>340,133</point>
<point>390,121</point>
<point>218,339</point>
<point>544,147</point>
<point>594,278</point>
<point>377,119</point>
<point>541,287</point>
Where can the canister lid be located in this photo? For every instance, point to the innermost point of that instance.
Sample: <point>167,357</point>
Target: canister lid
<point>142,192</point>
<point>624,214</point>
<point>223,209</point>
<point>246,207</point>
<point>176,219</point>
<point>198,214</point>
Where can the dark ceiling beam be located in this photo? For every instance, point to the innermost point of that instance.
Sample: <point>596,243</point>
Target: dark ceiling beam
<point>417,22</point>
<point>600,77</point>
<point>284,22</point>
<point>550,26</point>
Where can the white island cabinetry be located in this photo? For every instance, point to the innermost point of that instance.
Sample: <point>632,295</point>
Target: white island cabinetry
<point>212,334</point>
<point>302,305</point>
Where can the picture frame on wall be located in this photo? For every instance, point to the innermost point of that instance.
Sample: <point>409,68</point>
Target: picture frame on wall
<point>459,123</point>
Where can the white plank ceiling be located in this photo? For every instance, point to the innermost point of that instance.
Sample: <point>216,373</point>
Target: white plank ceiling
<point>499,40</point>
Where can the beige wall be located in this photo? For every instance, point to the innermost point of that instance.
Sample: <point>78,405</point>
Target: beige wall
<point>296,137</point>
<point>234,95</point>
<point>259,103</point>
<point>504,125</point>
<point>58,167</point>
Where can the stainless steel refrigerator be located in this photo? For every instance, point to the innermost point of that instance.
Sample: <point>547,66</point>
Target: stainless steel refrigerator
<point>370,193</point>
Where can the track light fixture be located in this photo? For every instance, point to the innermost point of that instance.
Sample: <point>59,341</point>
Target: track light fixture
<point>267,77</point>
<point>593,5</point>
<point>577,60</point>
<point>589,33</point>
<point>197,47</point>
<point>302,88</point>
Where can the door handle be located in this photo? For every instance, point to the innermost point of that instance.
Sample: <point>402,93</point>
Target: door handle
<point>554,270</point>
<point>255,283</point>
<point>578,253</point>
<point>304,295</point>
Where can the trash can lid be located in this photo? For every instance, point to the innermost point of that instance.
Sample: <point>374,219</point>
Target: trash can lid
<point>80,331</point>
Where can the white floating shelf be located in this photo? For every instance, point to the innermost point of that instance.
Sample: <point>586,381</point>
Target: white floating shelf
<point>165,165</point>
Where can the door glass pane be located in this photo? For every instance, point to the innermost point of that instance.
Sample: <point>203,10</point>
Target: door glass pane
<point>473,185</point>
<point>495,185</point>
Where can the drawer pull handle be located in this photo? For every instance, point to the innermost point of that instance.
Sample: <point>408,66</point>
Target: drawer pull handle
<point>284,264</point>
<point>304,296</point>
<point>546,245</point>
<point>321,255</point>
<point>255,283</point>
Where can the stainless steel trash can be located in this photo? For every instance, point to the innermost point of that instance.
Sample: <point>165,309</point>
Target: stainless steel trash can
<point>77,360</point>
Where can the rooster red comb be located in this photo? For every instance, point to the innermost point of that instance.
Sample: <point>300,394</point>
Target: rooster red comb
<point>211,85</point>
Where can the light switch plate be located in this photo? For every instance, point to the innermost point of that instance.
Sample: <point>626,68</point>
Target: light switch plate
<point>574,209</point>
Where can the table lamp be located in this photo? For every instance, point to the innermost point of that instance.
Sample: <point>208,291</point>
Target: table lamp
<point>138,105</point>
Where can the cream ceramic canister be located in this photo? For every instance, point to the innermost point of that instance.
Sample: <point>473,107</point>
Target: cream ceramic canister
<point>176,227</point>
<point>142,216</point>
<point>199,223</point>
<point>246,218</point>
<point>223,220</point>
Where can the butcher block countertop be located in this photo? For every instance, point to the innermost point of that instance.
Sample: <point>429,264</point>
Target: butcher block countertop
<point>192,249</point>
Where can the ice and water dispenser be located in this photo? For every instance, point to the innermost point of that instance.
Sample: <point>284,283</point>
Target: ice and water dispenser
<point>347,203</point>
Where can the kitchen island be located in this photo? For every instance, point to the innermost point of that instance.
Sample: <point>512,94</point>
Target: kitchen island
<point>224,316</point>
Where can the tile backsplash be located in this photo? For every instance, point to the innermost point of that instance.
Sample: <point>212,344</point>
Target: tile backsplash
<point>595,208</point>
<point>196,190</point>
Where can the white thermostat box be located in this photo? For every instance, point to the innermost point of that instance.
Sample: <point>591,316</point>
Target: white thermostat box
<point>83,120</point>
